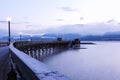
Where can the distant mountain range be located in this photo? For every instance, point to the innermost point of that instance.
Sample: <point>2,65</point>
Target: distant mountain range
<point>94,31</point>
<point>110,36</point>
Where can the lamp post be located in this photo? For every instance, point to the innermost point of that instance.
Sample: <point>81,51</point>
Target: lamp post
<point>20,33</point>
<point>31,37</point>
<point>9,36</point>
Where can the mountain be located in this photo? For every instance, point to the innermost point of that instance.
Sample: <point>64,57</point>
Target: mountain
<point>67,36</point>
<point>111,36</point>
<point>113,33</point>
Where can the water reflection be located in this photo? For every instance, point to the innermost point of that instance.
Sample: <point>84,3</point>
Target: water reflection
<point>97,62</point>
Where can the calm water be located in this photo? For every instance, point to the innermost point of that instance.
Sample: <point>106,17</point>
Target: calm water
<point>97,62</point>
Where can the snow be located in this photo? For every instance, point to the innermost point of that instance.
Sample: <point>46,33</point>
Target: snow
<point>42,71</point>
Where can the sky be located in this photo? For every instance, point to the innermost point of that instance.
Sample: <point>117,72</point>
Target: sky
<point>44,16</point>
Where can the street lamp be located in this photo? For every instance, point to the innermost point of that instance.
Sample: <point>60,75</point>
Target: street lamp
<point>9,38</point>
<point>31,36</point>
<point>20,33</point>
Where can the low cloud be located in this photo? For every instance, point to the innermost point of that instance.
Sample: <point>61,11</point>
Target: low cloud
<point>15,22</point>
<point>70,9</point>
<point>33,25</point>
<point>3,33</point>
<point>59,19</point>
<point>111,21</point>
<point>85,29</point>
<point>24,22</point>
<point>3,21</point>
<point>25,17</point>
<point>81,18</point>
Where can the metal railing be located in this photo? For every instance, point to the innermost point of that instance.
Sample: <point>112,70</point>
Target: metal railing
<point>32,69</point>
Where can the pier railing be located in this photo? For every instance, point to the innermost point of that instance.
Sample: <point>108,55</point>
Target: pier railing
<point>39,50</point>
<point>30,68</point>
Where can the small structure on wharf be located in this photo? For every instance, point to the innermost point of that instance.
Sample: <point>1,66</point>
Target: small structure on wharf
<point>75,43</point>
<point>60,39</point>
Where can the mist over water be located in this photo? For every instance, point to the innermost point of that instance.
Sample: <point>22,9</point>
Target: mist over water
<point>96,62</point>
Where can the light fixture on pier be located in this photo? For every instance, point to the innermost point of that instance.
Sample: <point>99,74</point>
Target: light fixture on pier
<point>31,37</point>
<point>9,36</point>
<point>20,33</point>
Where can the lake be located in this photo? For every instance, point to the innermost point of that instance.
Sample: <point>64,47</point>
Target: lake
<point>97,62</point>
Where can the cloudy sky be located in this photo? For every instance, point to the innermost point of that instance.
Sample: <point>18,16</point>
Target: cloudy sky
<point>43,16</point>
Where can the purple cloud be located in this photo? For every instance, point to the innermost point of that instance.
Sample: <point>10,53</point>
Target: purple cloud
<point>59,19</point>
<point>68,9</point>
<point>81,18</point>
<point>21,22</point>
<point>3,21</point>
<point>111,21</point>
